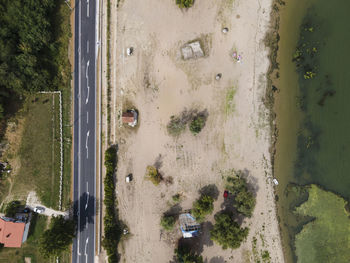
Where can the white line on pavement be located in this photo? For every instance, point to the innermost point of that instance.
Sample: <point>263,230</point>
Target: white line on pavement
<point>88,9</point>
<point>87,47</point>
<point>88,94</point>
<point>86,144</point>
<point>86,244</point>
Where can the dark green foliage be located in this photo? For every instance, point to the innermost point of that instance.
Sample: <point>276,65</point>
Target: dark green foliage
<point>202,207</point>
<point>197,124</point>
<point>12,208</point>
<point>176,198</point>
<point>112,229</point>
<point>227,232</point>
<point>33,48</point>
<point>185,255</point>
<point>58,237</point>
<point>244,200</point>
<point>184,3</point>
<point>168,222</point>
<point>176,126</point>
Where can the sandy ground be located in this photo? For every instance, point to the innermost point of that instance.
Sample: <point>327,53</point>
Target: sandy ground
<point>160,84</point>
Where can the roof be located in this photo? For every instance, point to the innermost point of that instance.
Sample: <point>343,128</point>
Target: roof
<point>128,117</point>
<point>11,233</point>
<point>189,226</point>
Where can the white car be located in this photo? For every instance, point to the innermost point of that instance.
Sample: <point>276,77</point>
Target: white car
<point>39,209</point>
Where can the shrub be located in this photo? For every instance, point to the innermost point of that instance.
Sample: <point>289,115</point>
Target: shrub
<point>202,207</point>
<point>176,126</point>
<point>112,228</point>
<point>176,198</point>
<point>197,124</point>
<point>12,208</point>
<point>227,233</point>
<point>244,201</point>
<point>184,3</point>
<point>168,222</point>
<point>153,175</point>
<point>58,237</point>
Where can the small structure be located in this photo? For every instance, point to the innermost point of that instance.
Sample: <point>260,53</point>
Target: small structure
<point>192,50</point>
<point>218,76</point>
<point>128,178</point>
<point>274,180</point>
<point>13,232</point>
<point>130,51</point>
<point>189,226</point>
<point>225,30</point>
<point>130,117</point>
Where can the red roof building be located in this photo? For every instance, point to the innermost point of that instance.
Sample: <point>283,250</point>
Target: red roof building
<point>11,232</point>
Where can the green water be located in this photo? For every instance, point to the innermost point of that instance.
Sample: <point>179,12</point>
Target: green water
<point>313,115</point>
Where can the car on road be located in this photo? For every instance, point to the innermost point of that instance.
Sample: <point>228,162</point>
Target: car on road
<point>39,209</point>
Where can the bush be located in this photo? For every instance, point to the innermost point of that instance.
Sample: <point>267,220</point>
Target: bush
<point>153,175</point>
<point>168,222</point>
<point>227,233</point>
<point>244,201</point>
<point>58,237</point>
<point>112,228</point>
<point>184,3</point>
<point>176,126</point>
<point>12,208</point>
<point>176,198</point>
<point>202,207</point>
<point>197,124</point>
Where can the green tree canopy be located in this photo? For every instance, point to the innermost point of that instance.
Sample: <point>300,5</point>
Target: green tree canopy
<point>244,200</point>
<point>227,233</point>
<point>58,237</point>
<point>168,222</point>
<point>202,207</point>
<point>185,255</point>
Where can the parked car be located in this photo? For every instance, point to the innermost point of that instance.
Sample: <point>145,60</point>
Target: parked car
<point>39,209</point>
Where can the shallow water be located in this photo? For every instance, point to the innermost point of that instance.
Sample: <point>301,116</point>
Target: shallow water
<point>313,115</point>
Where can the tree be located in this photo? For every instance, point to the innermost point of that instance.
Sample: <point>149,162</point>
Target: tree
<point>58,237</point>
<point>153,175</point>
<point>202,207</point>
<point>197,124</point>
<point>184,3</point>
<point>244,200</point>
<point>168,222</point>
<point>12,208</point>
<point>227,233</point>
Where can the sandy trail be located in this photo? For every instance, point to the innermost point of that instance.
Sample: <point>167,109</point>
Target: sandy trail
<point>160,84</point>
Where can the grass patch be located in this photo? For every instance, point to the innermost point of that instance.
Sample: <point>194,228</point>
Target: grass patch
<point>327,237</point>
<point>229,103</point>
<point>39,151</point>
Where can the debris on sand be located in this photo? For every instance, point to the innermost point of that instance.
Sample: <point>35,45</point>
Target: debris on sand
<point>192,50</point>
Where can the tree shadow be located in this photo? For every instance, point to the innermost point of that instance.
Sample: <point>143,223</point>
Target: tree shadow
<point>158,162</point>
<point>217,259</point>
<point>252,182</point>
<point>174,210</point>
<point>84,211</point>
<point>210,190</point>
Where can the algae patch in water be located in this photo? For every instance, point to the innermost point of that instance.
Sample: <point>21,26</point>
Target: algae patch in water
<point>327,237</point>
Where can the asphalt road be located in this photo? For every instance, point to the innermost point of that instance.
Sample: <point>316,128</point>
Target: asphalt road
<point>84,129</point>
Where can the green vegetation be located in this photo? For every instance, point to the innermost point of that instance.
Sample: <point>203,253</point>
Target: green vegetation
<point>57,238</point>
<point>230,95</point>
<point>196,120</point>
<point>112,228</point>
<point>176,126</point>
<point>153,175</point>
<point>327,237</point>
<point>176,198</point>
<point>39,150</point>
<point>227,233</point>
<point>266,256</point>
<point>197,124</point>
<point>185,255</point>
<point>168,222</point>
<point>12,208</point>
<point>34,44</point>
<point>202,207</point>
<point>244,201</point>
<point>184,3</point>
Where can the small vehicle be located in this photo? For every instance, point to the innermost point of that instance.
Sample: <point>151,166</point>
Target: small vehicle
<point>39,209</point>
